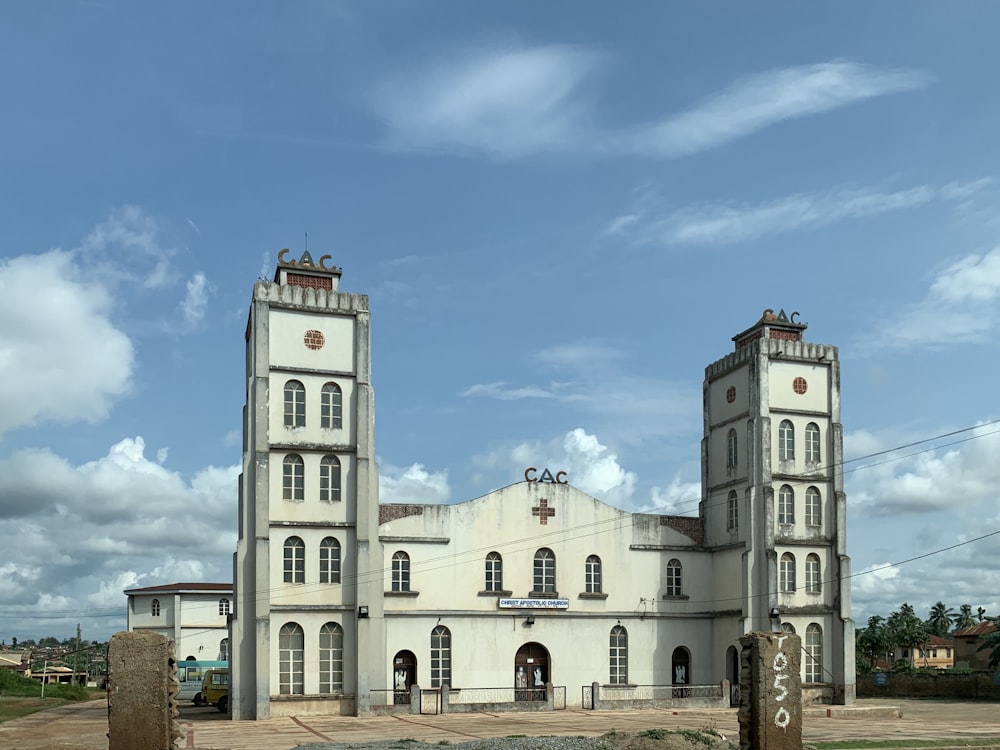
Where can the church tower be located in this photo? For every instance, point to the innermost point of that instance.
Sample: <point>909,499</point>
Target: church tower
<point>308,562</point>
<point>773,503</point>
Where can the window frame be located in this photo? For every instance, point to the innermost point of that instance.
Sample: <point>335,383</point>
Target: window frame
<point>732,448</point>
<point>330,479</point>
<point>813,645</point>
<point>440,656</point>
<point>291,659</point>
<point>813,446</point>
<point>786,440</point>
<point>154,608</point>
<point>293,560</point>
<point>331,658</point>
<point>224,606</point>
<point>733,511</point>
<point>593,578</point>
<point>493,572</point>
<point>331,409</point>
<point>786,505</point>
<point>786,573</point>
<point>814,507</point>
<point>674,578</point>
<point>294,404</point>
<point>293,478</point>
<point>329,560</point>
<point>814,574</point>
<point>544,571</point>
<point>618,656</point>
<point>400,571</point>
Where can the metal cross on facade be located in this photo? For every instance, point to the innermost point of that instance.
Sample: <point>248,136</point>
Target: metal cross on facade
<point>543,511</point>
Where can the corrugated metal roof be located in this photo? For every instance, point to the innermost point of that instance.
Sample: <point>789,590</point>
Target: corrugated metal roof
<point>980,628</point>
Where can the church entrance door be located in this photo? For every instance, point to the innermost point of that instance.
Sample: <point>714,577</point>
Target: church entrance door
<point>680,667</point>
<point>404,674</point>
<point>531,672</point>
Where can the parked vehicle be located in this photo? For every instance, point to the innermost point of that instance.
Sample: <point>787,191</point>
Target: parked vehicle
<point>214,690</point>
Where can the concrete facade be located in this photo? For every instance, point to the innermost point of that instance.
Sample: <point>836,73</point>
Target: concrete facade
<point>531,586</point>
<point>193,615</point>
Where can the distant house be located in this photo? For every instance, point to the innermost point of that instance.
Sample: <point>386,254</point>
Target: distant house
<point>14,661</point>
<point>935,653</point>
<point>967,642</point>
<point>194,615</point>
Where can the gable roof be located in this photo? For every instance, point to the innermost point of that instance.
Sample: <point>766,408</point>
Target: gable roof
<point>980,628</point>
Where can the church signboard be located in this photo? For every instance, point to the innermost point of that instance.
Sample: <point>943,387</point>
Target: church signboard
<point>534,604</point>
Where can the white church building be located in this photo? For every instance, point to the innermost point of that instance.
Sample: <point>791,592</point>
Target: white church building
<point>343,604</point>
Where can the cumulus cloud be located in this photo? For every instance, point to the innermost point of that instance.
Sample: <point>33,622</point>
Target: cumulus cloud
<point>127,246</point>
<point>62,357</point>
<point>517,101</point>
<point>961,306</point>
<point>77,536</point>
<point>591,466</point>
<point>677,498</point>
<point>413,484</point>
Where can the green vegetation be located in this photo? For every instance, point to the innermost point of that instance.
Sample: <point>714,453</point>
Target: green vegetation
<point>20,696</point>
<point>654,734</point>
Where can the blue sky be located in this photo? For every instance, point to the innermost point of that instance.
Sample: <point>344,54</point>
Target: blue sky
<point>561,212</point>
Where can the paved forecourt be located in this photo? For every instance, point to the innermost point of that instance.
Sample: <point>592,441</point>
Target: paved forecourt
<point>84,726</point>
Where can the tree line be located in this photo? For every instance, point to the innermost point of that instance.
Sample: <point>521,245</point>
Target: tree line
<point>903,628</point>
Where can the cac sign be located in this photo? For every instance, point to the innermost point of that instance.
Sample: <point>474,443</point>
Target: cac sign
<point>547,477</point>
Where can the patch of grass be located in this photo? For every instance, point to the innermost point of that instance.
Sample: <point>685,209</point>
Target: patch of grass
<point>698,735</point>
<point>654,734</point>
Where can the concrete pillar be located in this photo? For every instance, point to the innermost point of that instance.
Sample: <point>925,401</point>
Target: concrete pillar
<point>445,697</point>
<point>142,692</point>
<point>770,711</point>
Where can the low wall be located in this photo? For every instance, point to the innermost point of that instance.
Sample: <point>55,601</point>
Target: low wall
<point>661,696</point>
<point>964,685</point>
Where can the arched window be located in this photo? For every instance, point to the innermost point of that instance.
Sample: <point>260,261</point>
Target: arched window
<point>814,507</point>
<point>812,443</point>
<point>618,658</point>
<point>331,658</point>
<point>545,572</point>
<point>154,608</point>
<point>787,627</point>
<point>440,656</point>
<point>786,573</point>
<point>291,659</point>
<point>786,441</point>
<point>400,572</point>
<point>331,408</point>
<point>293,478</point>
<point>329,479</point>
<point>814,653</point>
<point>786,505</point>
<point>295,404</point>
<point>814,583</point>
<point>329,560</point>
<point>223,606</point>
<point>731,446</point>
<point>593,575</point>
<point>295,560</point>
<point>674,578</point>
<point>494,572</point>
<point>224,649</point>
<point>733,511</point>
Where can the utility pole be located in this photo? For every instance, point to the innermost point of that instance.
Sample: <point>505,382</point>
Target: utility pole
<point>76,656</point>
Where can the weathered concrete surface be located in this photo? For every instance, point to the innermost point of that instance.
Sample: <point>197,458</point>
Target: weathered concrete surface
<point>142,692</point>
<point>770,713</point>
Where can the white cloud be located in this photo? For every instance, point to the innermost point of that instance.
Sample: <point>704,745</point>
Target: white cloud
<point>509,103</point>
<point>764,99</point>
<point>414,484</point>
<point>677,498</point>
<point>127,247</point>
<point>80,534</point>
<point>590,465</point>
<point>722,224</point>
<point>518,101</point>
<point>62,358</point>
<point>503,393</point>
<point>962,305</point>
<point>196,300</point>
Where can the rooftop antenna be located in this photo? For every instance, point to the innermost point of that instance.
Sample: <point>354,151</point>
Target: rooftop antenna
<point>307,242</point>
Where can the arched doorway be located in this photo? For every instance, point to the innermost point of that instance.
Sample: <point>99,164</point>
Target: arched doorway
<point>531,672</point>
<point>680,671</point>
<point>404,674</point>
<point>733,675</point>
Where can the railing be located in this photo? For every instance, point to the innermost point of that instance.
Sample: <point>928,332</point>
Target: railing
<point>430,701</point>
<point>389,697</point>
<point>558,697</point>
<point>658,692</point>
<point>587,697</point>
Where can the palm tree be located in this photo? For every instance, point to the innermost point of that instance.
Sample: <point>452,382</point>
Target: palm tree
<point>992,641</point>
<point>965,618</point>
<point>941,619</point>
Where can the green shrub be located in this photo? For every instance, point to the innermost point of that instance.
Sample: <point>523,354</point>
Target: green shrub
<point>15,685</point>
